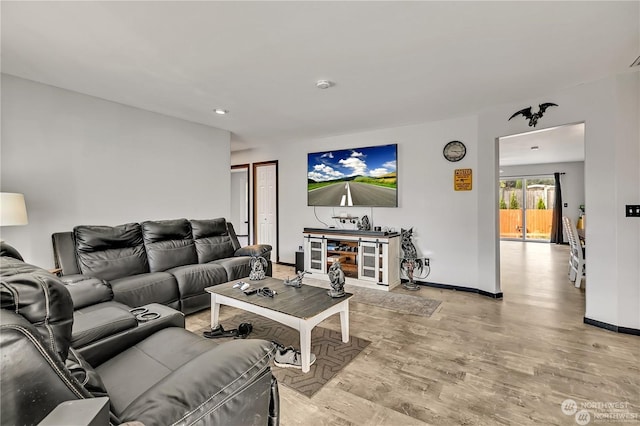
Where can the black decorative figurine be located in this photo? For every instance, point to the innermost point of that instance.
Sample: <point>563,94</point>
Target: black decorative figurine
<point>533,117</point>
<point>296,281</point>
<point>258,266</point>
<point>410,262</point>
<point>336,276</point>
<point>364,224</point>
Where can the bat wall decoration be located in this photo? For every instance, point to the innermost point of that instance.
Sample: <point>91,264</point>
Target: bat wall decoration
<point>533,117</point>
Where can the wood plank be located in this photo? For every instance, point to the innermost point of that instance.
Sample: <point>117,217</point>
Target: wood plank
<point>475,361</point>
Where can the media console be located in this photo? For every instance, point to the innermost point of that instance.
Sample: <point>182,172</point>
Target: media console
<point>368,258</point>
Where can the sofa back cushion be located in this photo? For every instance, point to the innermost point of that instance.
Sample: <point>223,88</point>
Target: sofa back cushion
<point>169,243</point>
<point>111,252</point>
<point>212,240</point>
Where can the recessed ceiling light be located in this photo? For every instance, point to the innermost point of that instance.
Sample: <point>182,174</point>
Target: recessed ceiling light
<point>220,111</point>
<point>535,148</point>
<point>324,84</point>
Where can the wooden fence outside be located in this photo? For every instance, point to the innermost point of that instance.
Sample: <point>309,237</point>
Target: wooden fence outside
<point>538,223</point>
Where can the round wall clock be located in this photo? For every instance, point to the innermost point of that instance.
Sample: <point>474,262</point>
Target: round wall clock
<point>454,151</point>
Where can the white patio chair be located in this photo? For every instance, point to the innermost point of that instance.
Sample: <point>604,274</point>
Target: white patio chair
<point>576,258</point>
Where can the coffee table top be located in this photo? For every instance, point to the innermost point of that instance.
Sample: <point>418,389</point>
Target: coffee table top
<point>304,302</point>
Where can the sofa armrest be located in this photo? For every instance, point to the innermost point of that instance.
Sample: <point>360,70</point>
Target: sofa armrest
<point>86,290</point>
<point>263,250</point>
<point>64,252</point>
<point>100,323</point>
<point>229,384</point>
<point>101,350</point>
<point>90,411</point>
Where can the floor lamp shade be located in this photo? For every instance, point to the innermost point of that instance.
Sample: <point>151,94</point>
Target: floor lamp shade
<point>13,210</point>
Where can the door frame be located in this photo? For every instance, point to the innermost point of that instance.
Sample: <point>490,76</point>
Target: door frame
<point>255,208</point>
<point>496,203</point>
<point>247,167</point>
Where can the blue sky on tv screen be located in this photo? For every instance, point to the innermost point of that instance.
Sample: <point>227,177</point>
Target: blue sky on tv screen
<point>373,161</point>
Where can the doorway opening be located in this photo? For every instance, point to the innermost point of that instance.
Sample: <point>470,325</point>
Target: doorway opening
<point>239,215</point>
<point>525,202</point>
<point>265,205</point>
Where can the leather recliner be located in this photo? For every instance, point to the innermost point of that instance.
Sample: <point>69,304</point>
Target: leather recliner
<point>171,377</point>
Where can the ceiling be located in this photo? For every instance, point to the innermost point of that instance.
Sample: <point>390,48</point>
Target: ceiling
<point>554,145</point>
<point>393,63</point>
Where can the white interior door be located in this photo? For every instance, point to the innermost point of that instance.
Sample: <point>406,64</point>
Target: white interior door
<point>266,180</point>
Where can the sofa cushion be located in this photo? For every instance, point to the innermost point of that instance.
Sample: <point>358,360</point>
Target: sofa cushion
<point>133,372</point>
<point>236,267</point>
<point>169,243</point>
<point>193,279</point>
<point>212,239</point>
<point>110,252</point>
<point>86,291</point>
<point>138,290</point>
<point>196,303</point>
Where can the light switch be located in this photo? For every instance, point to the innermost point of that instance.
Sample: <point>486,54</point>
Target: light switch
<point>632,210</point>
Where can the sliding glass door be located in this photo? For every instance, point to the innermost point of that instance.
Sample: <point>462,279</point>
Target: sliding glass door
<point>526,208</point>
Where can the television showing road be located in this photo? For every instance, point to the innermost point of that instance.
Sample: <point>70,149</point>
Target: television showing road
<point>352,194</point>
<point>364,176</point>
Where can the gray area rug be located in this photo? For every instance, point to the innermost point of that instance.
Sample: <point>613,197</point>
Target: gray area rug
<point>397,302</point>
<point>332,355</point>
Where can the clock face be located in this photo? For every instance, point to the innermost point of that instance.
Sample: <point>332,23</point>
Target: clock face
<point>454,151</point>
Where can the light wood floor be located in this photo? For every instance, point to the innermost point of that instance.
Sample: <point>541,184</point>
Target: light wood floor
<point>476,361</point>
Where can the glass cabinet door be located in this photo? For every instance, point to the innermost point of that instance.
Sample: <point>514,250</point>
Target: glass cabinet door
<point>317,255</point>
<point>369,264</point>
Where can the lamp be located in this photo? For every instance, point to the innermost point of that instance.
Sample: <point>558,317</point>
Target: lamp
<point>13,210</point>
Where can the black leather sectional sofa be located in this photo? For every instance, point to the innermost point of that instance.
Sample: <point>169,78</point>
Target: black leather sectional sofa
<point>169,262</point>
<point>161,375</point>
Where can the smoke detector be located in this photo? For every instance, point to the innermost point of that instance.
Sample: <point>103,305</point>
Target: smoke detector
<point>323,84</point>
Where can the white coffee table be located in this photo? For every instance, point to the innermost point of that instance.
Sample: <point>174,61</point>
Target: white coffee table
<point>299,308</point>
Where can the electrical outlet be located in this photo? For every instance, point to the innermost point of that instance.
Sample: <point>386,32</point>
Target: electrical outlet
<point>632,210</point>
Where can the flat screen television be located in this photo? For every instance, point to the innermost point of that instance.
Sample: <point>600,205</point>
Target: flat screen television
<point>358,177</point>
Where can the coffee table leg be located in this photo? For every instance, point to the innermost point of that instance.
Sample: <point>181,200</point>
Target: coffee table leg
<point>215,311</point>
<point>344,323</point>
<point>305,346</point>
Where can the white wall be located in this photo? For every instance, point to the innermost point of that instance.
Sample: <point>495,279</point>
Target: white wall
<point>83,160</point>
<point>609,108</point>
<point>444,221</point>
<point>572,182</point>
<point>459,230</point>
